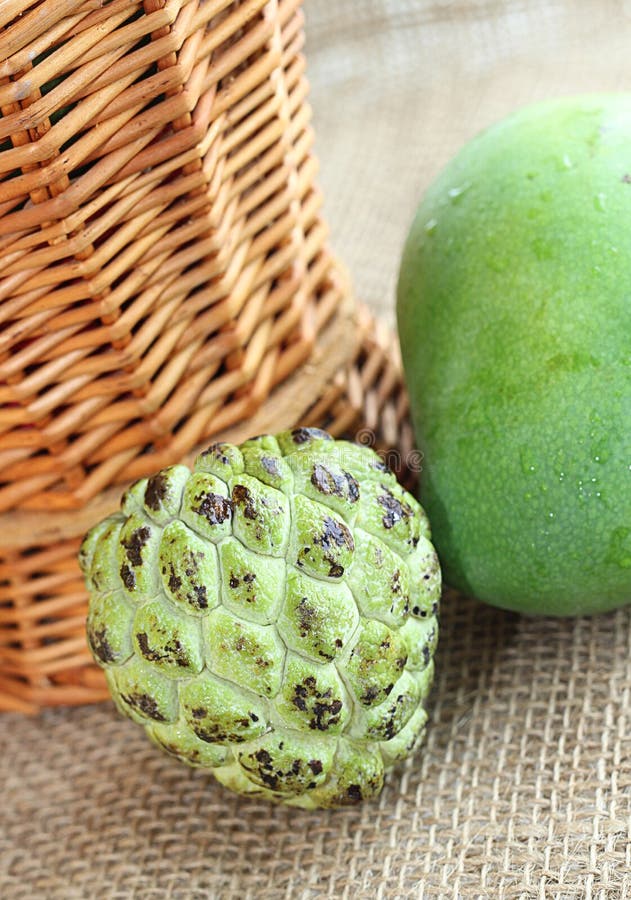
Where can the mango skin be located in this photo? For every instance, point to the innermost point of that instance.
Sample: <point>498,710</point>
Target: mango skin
<point>514,313</point>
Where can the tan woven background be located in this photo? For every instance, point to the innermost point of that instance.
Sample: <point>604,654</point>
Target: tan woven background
<point>523,789</point>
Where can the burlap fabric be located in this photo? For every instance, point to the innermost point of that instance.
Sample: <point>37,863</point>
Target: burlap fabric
<point>523,789</point>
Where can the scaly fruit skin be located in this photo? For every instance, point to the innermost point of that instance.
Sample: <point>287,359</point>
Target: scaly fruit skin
<point>515,324</point>
<point>271,616</point>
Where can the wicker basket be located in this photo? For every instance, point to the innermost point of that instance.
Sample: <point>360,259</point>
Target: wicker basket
<point>163,256</point>
<point>164,280</point>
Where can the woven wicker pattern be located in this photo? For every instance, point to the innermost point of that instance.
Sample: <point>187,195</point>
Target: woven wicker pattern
<point>522,792</point>
<point>163,261</point>
<point>44,659</point>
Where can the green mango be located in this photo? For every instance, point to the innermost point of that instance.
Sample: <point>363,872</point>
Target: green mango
<point>514,313</point>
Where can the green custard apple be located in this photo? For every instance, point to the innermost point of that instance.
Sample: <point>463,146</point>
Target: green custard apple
<point>270,616</point>
<point>514,310</point>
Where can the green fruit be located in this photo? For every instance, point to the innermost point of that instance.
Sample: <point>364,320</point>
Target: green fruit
<point>514,308</point>
<point>270,616</point>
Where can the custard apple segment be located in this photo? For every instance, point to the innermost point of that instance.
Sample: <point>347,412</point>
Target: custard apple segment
<point>261,516</point>
<point>380,580</point>
<point>109,628</point>
<point>168,640</point>
<point>137,550</point>
<point>189,569</point>
<point>244,652</point>
<point>221,460</point>
<point>162,494</point>
<point>142,693</point>
<point>98,556</point>
<point>219,712</point>
<point>178,740</point>
<point>206,506</point>
<point>323,544</point>
<point>249,590</point>
<point>317,618</point>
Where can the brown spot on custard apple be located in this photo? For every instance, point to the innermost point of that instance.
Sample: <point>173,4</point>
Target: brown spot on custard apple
<point>145,704</point>
<point>370,694</point>
<point>263,756</point>
<point>376,663</point>
<point>307,617</point>
<point>422,613</point>
<point>401,601</point>
<point>394,510</point>
<point>213,507</point>
<point>201,595</point>
<point>134,544</point>
<point>305,435</point>
<point>242,496</point>
<point>214,733</point>
<point>156,490</point>
<point>335,535</point>
<point>270,464</point>
<point>265,769</point>
<point>128,577</point>
<point>174,651</point>
<point>216,451</point>
<point>324,708</point>
<point>342,485</point>
<point>357,775</point>
<point>392,725</point>
<point>175,582</point>
<point>100,646</point>
<point>285,769</point>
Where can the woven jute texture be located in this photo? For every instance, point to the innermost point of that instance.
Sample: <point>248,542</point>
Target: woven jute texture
<point>523,788</point>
